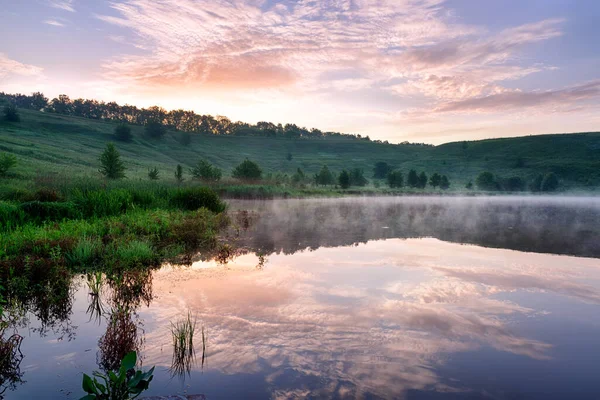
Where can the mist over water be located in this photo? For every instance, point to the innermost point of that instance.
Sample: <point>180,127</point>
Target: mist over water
<point>556,225</point>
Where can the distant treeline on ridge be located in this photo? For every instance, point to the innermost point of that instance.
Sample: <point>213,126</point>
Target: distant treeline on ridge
<point>182,120</point>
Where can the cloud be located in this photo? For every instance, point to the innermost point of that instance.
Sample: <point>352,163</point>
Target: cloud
<point>54,22</point>
<point>8,66</point>
<point>66,5</point>
<point>554,100</point>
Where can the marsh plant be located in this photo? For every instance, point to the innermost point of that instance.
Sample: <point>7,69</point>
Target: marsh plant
<point>95,309</point>
<point>126,383</point>
<point>121,338</point>
<point>184,353</point>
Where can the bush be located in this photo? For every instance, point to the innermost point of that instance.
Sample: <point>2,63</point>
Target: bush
<point>123,133</point>
<point>413,179</point>
<point>205,171</point>
<point>381,170</point>
<point>195,198</point>
<point>344,179</point>
<point>247,171</point>
<point>38,212</point>
<point>179,174</point>
<point>395,179</point>
<point>155,130</point>
<point>514,184</point>
<point>324,177</point>
<point>422,180</point>
<point>357,177</point>
<point>7,162</point>
<point>153,174</point>
<point>11,114</point>
<point>550,183</point>
<point>111,165</point>
<point>536,184</point>
<point>486,181</point>
<point>444,182</point>
<point>435,180</point>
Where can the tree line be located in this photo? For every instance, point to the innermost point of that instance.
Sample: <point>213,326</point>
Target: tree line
<point>181,120</point>
<point>540,183</point>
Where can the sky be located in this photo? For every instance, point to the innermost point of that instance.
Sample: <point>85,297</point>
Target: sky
<point>430,71</point>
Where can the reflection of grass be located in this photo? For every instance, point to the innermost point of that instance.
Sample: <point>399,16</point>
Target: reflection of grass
<point>96,308</point>
<point>184,354</point>
<point>10,361</point>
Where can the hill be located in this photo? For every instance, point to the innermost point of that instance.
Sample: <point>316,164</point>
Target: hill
<point>46,142</point>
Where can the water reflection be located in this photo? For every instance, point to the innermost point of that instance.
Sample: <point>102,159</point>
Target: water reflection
<point>553,225</point>
<point>289,311</point>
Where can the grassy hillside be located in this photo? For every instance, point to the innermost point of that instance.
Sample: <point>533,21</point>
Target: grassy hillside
<point>46,142</point>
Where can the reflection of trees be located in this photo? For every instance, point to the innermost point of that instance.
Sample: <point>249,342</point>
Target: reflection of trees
<point>10,362</point>
<point>289,226</point>
<point>120,338</point>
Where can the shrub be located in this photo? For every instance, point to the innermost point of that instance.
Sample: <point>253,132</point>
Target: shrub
<point>422,180</point>
<point>195,198</point>
<point>179,174</point>
<point>84,252</point>
<point>549,183</point>
<point>514,184</point>
<point>123,133</point>
<point>486,181</point>
<point>344,179</point>
<point>324,177</point>
<point>469,185</point>
<point>381,170</point>
<point>7,162</point>
<point>536,184</point>
<point>395,179</point>
<point>298,177</point>
<point>153,174</point>
<point>111,165</point>
<point>11,113</point>
<point>205,171</point>
<point>155,130</point>
<point>435,180</point>
<point>357,177</point>
<point>247,171</point>
<point>413,179</point>
<point>37,211</point>
<point>444,182</point>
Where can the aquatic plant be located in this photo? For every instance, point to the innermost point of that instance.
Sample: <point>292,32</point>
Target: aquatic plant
<point>184,354</point>
<point>95,309</point>
<point>126,383</point>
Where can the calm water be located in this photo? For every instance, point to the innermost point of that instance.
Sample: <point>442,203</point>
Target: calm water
<point>372,298</point>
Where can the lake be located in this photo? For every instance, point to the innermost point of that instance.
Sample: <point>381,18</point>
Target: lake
<point>370,298</point>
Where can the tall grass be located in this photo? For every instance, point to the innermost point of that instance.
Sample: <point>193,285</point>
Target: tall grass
<point>184,354</point>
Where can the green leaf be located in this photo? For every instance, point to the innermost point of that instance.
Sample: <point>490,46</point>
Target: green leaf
<point>88,385</point>
<point>100,386</point>
<point>88,397</point>
<point>113,377</point>
<point>129,360</point>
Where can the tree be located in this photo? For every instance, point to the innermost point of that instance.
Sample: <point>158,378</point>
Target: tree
<point>11,113</point>
<point>486,181</point>
<point>247,171</point>
<point>536,184</point>
<point>153,174</point>
<point>469,185</point>
<point>155,130</point>
<point>38,101</point>
<point>123,133</point>
<point>111,165</point>
<point>179,174</point>
<point>435,180</point>
<point>344,179</point>
<point>444,182</point>
<point>381,170</point>
<point>395,179</point>
<point>205,171</point>
<point>514,184</point>
<point>422,180</point>
<point>550,183</point>
<point>324,177</point>
<point>357,177</point>
<point>298,177</point>
<point>7,162</point>
<point>413,179</point>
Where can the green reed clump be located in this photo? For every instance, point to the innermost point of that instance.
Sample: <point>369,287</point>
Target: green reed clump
<point>85,252</point>
<point>136,252</point>
<point>197,197</point>
<point>184,354</point>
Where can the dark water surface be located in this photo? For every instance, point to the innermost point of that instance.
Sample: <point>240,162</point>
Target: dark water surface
<point>356,298</point>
